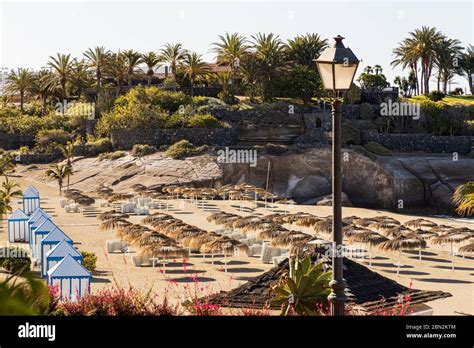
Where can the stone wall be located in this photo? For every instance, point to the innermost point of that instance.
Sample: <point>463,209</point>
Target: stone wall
<point>125,139</point>
<point>420,142</point>
<point>15,141</point>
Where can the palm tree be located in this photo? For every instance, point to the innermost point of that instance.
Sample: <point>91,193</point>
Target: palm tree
<point>172,54</point>
<point>446,59</point>
<point>405,58</point>
<point>194,67</point>
<point>419,46</point>
<point>68,152</point>
<point>250,70</point>
<point>133,59</point>
<point>303,49</point>
<point>463,197</point>
<point>467,65</point>
<point>368,69</point>
<point>9,190</point>
<point>59,173</point>
<point>62,65</point>
<point>117,68</point>
<point>97,59</point>
<point>80,76</point>
<point>377,69</point>
<point>19,81</point>
<point>7,165</point>
<point>151,60</point>
<point>230,50</point>
<point>44,85</point>
<point>269,50</point>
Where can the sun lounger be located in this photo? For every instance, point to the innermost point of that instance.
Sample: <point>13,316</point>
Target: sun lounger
<point>254,250</point>
<point>114,246</point>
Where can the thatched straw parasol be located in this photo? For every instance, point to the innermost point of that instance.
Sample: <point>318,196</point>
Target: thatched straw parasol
<point>153,237</point>
<point>260,225</point>
<point>270,233</point>
<point>307,221</point>
<point>130,233</point>
<point>370,238</point>
<point>364,222</point>
<point>290,238</point>
<point>396,232</point>
<point>199,239</point>
<point>112,214</point>
<point>325,226</point>
<point>467,249</point>
<point>223,245</point>
<point>441,229</point>
<point>420,223</point>
<point>163,251</point>
<point>113,224</point>
<point>156,217</point>
<point>451,238</point>
<point>119,197</point>
<point>350,230</point>
<point>403,243</point>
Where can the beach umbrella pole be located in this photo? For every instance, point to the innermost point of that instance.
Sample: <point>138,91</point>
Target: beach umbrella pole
<point>399,259</point>
<point>452,257</point>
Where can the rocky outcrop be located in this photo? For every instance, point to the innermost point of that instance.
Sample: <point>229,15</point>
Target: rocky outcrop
<point>404,182</point>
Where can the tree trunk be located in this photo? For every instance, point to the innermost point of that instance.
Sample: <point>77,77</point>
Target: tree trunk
<point>192,87</point>
<point>22,97</point>
<point>471,87</point>
<point>43,109</point>
<point>149,80</point>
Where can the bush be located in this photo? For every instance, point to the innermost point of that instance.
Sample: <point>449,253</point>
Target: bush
<point>98,146</point>
<point>443,119</point>
<point>14,260</point>
<point>377,148</point>
<point>141,108</point>
<point>49,140</point>
<point>140,150</point>
<point>111,155</point>
<point>301,82</point>
<point>435,96</point>
<point>203,121</point>
<point>89,260</point>
<point>180,149</point>
<point>352,96</point>
<point>350,134</point>
<point>366,111</point>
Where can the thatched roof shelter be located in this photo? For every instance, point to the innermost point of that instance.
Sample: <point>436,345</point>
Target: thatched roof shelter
<point>119,197</point>
<point>365,289</point>
<point>153,237</point>
<point>197,240</point>
<point>270,234</point>
<point>403,243</point>
<point>163,251</point>
<point>368,237</point>
<point>156,217</point>
<point>451,237</point>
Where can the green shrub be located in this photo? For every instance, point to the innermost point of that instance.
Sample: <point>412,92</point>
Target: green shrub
<point>204,101</point>
<point>203,121</point>
<point>111,155</point>
<point>140,150</point>
<point>180,149</point>
<point>98,146</point>
<point>443,119</point>
<point>353,95</point>
<point>350,134</point>
<point>14,261</point>
<point>366,111</point>
<point>49,140</point>
<point>435,96</point>
<point>89,260</point>
<point>377,148</point>
<point>363,151</point>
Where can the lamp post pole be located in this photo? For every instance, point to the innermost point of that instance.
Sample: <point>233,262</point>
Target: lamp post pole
<point>337,296</point>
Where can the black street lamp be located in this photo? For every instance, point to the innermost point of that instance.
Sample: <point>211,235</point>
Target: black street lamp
<point>337,66</point>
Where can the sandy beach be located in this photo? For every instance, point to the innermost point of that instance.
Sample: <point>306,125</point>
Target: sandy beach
<point>432,273</point>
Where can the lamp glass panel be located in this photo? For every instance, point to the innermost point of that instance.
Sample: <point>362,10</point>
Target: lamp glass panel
<point>325,72</point>
<point>344,75</point>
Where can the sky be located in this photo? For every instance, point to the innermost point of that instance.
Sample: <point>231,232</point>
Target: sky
<point>31,31</point>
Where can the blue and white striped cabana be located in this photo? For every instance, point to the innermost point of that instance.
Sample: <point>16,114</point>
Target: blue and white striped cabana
<point>37,236</point>
<point>31,227</point>
<point>52,239</point>
<point>60,251</point>
<point>71,278</point>
<point>31,200</point>
<point>35,216</point>
<point>18,226</point>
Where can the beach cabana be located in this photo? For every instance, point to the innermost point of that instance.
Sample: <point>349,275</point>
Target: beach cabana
<point>35,216</point>
<point>37,236</point>
<point>18,226</point>
<point>52,239</point>
<point>31,200</point>
<point>59,252</point>
<point>71,278</point>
